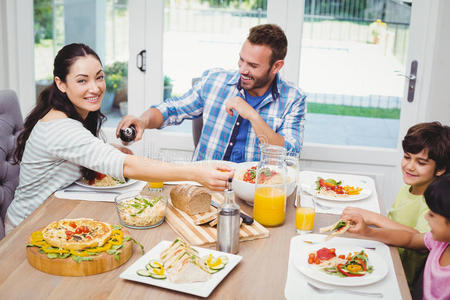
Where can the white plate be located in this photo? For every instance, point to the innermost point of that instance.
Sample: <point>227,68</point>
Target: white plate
<point>379,266</point>
<point>127,183</point>
<point>202,289</point>
<point>365,193</point>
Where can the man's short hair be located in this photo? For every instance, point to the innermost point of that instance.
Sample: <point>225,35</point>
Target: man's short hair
<point>270,35</point>
<point>432,136</point>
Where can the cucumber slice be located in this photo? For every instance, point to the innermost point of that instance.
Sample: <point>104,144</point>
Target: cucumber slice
<point>157,276</point>
<point>218,267</point>
<point>212,271</point>
<point>155,264</point>
<point>148,267</point>
<point>143,272</point>
<point>224,259</point>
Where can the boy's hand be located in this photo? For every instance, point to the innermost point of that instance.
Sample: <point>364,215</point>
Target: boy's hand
<point>368,216</point>
<point>359,226</point>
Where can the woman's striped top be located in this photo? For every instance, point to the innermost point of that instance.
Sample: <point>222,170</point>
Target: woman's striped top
<point>52,158</point>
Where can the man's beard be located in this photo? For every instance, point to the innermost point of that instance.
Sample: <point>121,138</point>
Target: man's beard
<point>259,82</point>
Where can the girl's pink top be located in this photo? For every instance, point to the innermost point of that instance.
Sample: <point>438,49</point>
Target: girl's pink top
<point>436,278</point>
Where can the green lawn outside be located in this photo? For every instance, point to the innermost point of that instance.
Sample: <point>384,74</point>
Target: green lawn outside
<point>346,110</point>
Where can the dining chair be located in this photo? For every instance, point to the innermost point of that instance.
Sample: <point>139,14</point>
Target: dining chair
<point>11,123</point>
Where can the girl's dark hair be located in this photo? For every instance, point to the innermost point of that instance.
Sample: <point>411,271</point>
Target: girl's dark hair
<point>432,136</point>
<point>437,196</point>
<point>52,97</point>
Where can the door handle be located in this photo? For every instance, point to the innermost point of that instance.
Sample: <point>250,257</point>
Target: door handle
<point>412,80</point>
<point>140,60</point>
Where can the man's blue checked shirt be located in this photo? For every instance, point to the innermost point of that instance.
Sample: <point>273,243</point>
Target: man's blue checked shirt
<point>283,110</point>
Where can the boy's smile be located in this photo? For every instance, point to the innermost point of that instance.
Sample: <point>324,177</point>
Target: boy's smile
<point>419,171</point>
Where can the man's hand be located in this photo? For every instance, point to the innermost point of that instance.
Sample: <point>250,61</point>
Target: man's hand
<point>129,120</point>
<point>241,107</point>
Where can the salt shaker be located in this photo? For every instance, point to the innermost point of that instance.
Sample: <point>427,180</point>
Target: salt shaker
<point>127,135</point>
<point>228,224</point>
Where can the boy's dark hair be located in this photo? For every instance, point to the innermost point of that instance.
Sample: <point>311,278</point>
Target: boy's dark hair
<point>432,136</point>
<point>437,196</point>
<point>270,35</point>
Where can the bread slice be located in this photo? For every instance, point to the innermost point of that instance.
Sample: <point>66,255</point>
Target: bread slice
<point>191,199</point>
<point>206,218</point>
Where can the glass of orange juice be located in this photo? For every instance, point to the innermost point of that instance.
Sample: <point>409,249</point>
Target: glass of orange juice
<point>304,219</point>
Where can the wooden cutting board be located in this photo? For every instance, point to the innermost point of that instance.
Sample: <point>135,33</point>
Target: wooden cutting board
<point>205,235</point>
<point>68,267</point>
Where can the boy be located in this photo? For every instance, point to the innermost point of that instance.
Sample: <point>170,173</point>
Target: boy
<point>426,148</point>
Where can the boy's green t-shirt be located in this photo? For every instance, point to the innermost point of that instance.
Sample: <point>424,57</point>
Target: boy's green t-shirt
<point>410,210</point>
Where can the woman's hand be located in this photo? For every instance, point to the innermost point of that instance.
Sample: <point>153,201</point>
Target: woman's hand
<point>214,178</point>
<point>129,120</point>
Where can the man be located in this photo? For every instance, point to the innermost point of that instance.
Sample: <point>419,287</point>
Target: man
<point>240,110</point>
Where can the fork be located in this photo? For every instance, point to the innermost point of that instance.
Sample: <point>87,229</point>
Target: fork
<point>322,290</point>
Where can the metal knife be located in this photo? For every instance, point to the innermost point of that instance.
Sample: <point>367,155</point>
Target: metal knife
<point>245,218</point>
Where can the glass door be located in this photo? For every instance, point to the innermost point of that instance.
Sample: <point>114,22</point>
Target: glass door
<point>353,53</point>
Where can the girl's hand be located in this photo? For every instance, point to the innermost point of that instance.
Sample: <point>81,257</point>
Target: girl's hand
<point>214,178</point>
<point>359,226</point>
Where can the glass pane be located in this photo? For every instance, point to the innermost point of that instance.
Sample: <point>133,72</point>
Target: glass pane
<point>101,24</point>
<point>351,54</point>
<point>200,35</point>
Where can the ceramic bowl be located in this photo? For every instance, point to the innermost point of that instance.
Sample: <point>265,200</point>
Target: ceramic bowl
<point>246,191</point>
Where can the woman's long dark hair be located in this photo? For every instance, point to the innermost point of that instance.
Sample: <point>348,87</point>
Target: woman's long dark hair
<point>52,97</point>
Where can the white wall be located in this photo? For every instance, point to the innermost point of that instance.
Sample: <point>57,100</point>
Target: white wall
<point>17,50</point>
<point>438,105</point>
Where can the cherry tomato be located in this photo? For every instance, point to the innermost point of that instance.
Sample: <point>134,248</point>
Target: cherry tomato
<point>73,225</point>
<point>312,255</point>
<point>78,230</point>
<point>84,229</point>
<point>69,234</point>
<point>310,261</point>
<point>317,261</point>
<point>342,256</point>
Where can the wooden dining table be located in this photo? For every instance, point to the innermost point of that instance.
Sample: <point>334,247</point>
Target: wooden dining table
<point>260,275</point>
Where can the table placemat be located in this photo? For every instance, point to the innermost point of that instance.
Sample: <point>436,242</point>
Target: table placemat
<point>306,178</point>
<point>296,283</point>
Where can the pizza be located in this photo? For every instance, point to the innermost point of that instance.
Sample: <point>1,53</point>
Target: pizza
<point>77,234</point>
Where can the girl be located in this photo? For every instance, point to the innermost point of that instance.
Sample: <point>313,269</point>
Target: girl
<point>436,276</point>
<point>60,141</point>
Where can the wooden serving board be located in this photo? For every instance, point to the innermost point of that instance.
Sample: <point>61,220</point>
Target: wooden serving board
<point>205,235</point>
<point>68,267</point>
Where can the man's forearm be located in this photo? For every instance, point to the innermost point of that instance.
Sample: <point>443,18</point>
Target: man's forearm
<point>264,133</point>
<point>152,118</point>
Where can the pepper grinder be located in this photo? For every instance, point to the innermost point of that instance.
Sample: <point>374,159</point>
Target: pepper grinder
<point>127,135</point>
<point>228,224</point>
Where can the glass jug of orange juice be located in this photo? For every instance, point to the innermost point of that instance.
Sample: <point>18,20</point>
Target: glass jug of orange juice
<point>269,208</point>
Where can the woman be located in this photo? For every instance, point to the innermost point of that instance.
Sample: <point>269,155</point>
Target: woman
<point>59,142</point>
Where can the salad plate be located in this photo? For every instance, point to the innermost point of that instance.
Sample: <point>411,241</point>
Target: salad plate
<point>128,182</point>
<point>315,272</point>
<point>201,289</point>
<point>364,193</point>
